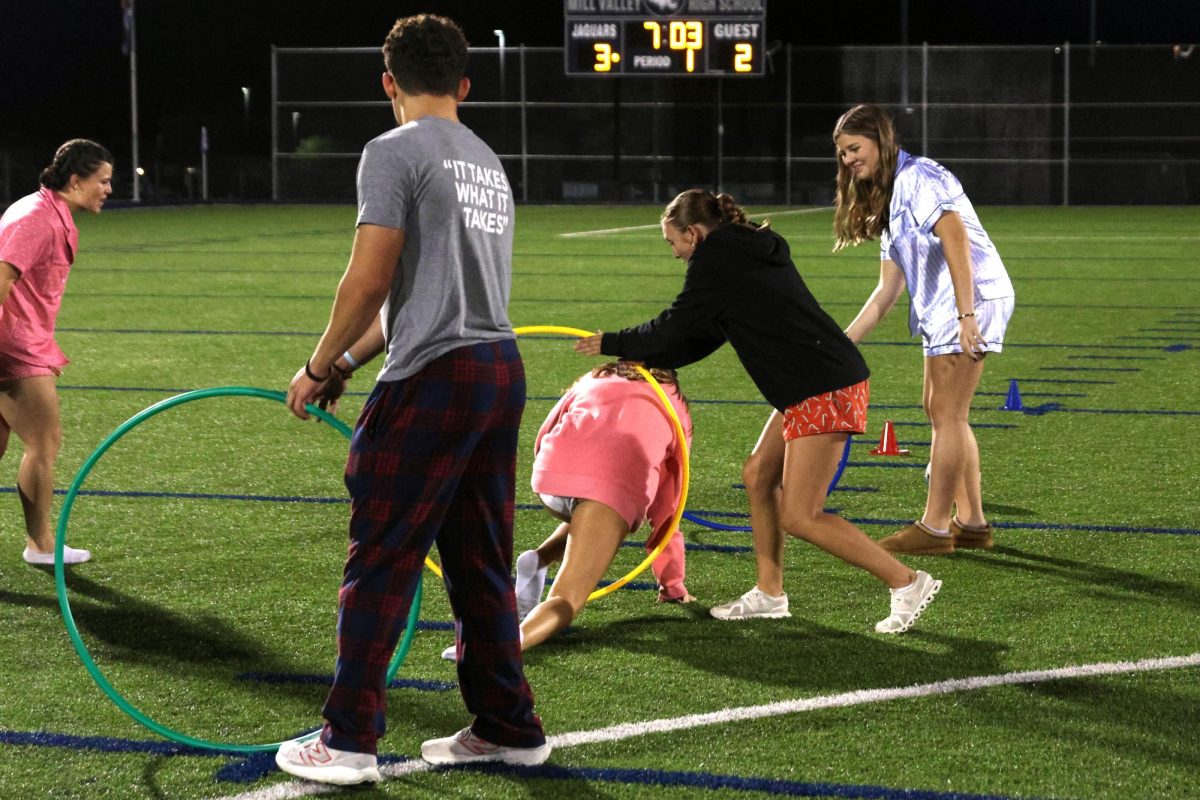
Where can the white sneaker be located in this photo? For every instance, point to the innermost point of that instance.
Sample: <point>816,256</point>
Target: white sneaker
<point>316,761</point>
<point>754,604</point>
<point>451,653</point>
<point>531,581</point>
<point>70,556</point>
<point>465,747</point>
<point>908,603</point>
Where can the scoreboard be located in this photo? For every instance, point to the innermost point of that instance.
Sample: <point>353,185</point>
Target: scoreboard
<point>665,37</point>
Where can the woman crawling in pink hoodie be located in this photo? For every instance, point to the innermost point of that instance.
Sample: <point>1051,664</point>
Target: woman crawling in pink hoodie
<point>607,459</point>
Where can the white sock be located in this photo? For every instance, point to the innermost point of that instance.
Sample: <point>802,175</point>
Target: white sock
<point>531,580</point>
<point>935,531</point>
<point>70,556</point>
<point>905,588</point>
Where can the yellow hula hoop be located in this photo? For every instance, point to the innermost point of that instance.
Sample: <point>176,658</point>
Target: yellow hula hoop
<point>530,329</point>
<point>673,529</point>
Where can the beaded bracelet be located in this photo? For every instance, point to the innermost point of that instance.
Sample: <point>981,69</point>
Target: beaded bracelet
<point>968,314</point>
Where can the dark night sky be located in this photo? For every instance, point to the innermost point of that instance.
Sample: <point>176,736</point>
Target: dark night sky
<point>62,73</point>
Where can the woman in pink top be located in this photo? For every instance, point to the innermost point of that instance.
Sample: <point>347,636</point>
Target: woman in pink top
<point>38,239</point>
<point>607,459</point>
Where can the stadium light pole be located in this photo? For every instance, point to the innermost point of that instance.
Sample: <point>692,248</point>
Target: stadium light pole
<point>129,48</point>
<point>499,34</point>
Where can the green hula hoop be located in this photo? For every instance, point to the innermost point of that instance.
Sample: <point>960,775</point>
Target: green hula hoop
<point>61,583</point>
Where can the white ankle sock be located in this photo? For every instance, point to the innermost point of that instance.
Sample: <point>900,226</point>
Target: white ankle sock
<point>70,556</point>
<point>934,531</point>
<point>530,582</point>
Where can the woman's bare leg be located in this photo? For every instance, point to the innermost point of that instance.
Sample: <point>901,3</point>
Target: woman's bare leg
<point>593,536</point>
<point>809,467</point>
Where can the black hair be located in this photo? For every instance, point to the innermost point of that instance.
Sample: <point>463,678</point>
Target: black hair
<point>80,157</point>
<point>426,54</point>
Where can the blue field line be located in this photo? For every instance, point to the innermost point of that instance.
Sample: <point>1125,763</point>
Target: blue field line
<point>260,498</point>
<point>905,343</point>
<point>280,678</point>
<point>1033,394</point>
<point>1115,358</point>
<point>876,444</point>
<point>1034,345</point>
<point>1091,369</point>
<point>104,744</point>
<point>636,586</point>
<point>434,625</point>
<point>1154,338</point>
<point>154,389</point>
<point>925,424</point>
<point>713,782</point>
<point>158,272</point>
<point>183,332</point>
<point>1135,411</point>
<point>247,769</point>
<point>1049,526</point>
<point>204,295</point>
<point>874,406</point>
<point>531,398</point>
<point>700,548</point>
<point>1036,526</point>
<point>1064,380</point>
<point>886,464</point>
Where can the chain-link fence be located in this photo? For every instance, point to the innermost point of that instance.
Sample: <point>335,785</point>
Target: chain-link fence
<point>1044,125</point>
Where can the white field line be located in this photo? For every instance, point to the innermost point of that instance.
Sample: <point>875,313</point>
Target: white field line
<point>656,226</point>
<point>286,791</point>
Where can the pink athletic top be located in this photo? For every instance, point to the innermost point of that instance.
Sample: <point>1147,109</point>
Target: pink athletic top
<point>609,439</point>
<point>39,238</point>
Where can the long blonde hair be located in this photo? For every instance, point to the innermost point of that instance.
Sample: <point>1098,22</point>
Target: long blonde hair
<point>860,208</point>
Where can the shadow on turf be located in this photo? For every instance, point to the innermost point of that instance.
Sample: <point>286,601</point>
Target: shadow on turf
<point>135,631</point>
<point>1103,580</point>
<point>794,653</point>
<point>1121,720</point>
<point>1008,511</point>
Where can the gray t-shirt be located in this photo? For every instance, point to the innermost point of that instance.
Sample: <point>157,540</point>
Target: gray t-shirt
<point>439,183</point>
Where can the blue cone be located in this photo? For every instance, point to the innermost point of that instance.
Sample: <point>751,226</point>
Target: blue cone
<point>1013,402</point>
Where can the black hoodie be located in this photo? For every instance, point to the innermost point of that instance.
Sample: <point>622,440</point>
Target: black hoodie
<point>742,286</point>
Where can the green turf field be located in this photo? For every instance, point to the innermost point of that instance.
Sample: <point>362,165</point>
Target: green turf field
<point>211,600</point>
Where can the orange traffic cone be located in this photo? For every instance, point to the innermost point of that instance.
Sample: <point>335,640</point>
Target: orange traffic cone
<point>887,442</point>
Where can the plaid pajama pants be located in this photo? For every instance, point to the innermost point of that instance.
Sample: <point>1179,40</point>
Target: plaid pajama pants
<point>432,460</point>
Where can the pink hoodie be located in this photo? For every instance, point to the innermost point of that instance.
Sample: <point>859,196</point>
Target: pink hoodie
<point>609,439</point>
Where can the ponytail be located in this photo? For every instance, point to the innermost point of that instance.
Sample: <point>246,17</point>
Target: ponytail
<point>702,207</point>
<point>80,157</point>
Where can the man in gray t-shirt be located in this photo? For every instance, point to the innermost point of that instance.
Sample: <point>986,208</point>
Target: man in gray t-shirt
<point>433,457</point>
<point>439,183</point>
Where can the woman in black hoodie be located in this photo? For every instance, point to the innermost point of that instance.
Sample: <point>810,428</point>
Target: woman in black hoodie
<point>742,287</point>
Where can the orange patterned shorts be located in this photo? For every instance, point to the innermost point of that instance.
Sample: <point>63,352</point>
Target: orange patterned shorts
<point>840,411</point>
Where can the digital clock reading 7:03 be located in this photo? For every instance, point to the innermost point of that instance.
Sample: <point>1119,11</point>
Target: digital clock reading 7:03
<point>665,37</point>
